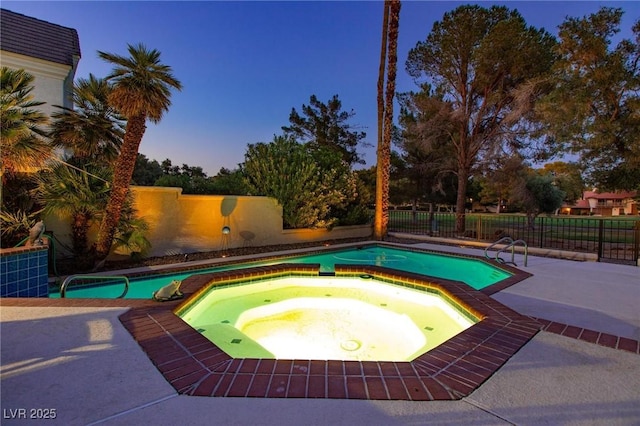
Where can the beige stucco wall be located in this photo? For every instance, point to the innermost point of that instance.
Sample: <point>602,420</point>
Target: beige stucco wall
<point>50,79</point>
<point>194,223</point>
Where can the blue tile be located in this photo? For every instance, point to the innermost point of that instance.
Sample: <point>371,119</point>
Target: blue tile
<point>33,261</point>
<point>23,274</point>
<point>12,265</point>
<point>23,263</point>
<point>12,288</point>
<point>12,277</point>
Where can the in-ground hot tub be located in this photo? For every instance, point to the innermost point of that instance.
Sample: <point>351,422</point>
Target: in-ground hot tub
<point>359,318</point>
<point>194,365</point>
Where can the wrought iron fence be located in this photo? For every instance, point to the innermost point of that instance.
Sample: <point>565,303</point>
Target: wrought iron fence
<point>612,239</point>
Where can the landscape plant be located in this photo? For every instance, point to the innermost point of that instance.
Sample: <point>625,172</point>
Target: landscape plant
<point>141,91</point>
<point>309,184</point>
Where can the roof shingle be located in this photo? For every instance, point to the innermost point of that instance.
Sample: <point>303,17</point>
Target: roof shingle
<point>32,37</point>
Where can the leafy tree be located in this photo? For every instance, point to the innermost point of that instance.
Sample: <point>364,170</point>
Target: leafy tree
<point>428,156</point>
<point>388,62</point>
<point>146,172</point>
<point>593,109</point>
<point>567,177</point>
<point>22,137</point>
<point>537,194</point>
<point>141,90</point>
<point>502,176</point>
<point>293,174</point>
<point>325,126</point>
<point>367,185</point>
<point>92,128</point>
<point>229,182</point>
<point>471,65</point>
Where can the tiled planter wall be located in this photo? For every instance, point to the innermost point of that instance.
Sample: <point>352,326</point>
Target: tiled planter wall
<point>23,272</point>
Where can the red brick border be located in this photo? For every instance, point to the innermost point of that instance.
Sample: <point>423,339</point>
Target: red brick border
<point>195,366</point>
<point>591,336</point>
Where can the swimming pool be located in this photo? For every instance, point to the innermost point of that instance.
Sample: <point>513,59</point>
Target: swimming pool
<point>474,272</point>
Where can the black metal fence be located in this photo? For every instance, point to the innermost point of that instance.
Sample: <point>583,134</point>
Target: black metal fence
<point>612,239</point>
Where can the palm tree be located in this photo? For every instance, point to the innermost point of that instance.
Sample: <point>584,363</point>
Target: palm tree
<point>80,194</point>
<point>22,132</point>
<point>141,91</point>
<point>385,114</point>
<point>93,128</point>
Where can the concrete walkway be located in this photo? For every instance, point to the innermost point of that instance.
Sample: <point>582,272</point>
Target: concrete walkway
<point>81,363</point>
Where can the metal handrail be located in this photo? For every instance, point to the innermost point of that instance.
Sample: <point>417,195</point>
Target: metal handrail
<point>512,246</point>
<point>506,239</point>
<point>67,281</point>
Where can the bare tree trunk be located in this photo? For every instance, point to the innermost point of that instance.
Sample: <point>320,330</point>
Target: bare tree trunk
<point>461,199</point>
<point>381,192</point>
<point>390,40</point>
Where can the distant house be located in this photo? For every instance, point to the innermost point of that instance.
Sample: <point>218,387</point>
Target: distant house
<point>47,51</point>
<point>605,204</point>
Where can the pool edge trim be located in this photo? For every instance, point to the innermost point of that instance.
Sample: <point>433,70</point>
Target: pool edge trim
<point>195,366</point>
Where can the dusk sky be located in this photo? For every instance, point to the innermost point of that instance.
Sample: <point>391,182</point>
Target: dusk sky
<point>245,65</point>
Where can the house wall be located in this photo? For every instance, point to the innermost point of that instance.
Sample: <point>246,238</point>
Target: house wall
<point>51,79</point>
<point>193,223</point>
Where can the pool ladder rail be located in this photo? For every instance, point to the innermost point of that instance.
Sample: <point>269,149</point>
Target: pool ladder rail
<point>71,278</point>
<point>509,243</point>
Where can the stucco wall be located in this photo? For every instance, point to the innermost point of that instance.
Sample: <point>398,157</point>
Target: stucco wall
<point>193,223</point>
<point>49,83</point>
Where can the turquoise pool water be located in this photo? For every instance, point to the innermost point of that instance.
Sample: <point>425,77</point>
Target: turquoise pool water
<point>474,273</point>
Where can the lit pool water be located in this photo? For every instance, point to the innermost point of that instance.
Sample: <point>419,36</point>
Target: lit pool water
<point>472,272</point>
<point>324,317</point>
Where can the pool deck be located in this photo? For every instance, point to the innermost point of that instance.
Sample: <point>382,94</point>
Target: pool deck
<point>81,362</point>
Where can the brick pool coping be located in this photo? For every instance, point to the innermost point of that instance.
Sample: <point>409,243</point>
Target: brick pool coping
<point>195,366</point>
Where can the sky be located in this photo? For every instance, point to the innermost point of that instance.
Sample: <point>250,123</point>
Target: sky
<point>245,64</point>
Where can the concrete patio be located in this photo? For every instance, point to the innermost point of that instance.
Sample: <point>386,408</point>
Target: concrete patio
<point>82,363</point>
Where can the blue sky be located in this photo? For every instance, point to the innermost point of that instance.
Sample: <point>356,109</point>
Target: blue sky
<point>245,65</point>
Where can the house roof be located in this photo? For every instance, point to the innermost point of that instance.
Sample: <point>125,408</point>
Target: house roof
<point>32,37</point>
<point>609,195</point>
<point>581,204</point>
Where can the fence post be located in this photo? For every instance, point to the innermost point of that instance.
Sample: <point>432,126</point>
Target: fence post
<point>541,244</point>
<point>600,239</point>
<point>636,243</point>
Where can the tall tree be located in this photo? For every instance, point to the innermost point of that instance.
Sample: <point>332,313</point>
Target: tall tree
<point>388,62</point>
<point>593,109</point>
<point>472,63</point>
<point>141,91</point>
<point>325,126</point>
<point>427,152</point>
<point>22,125</point>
